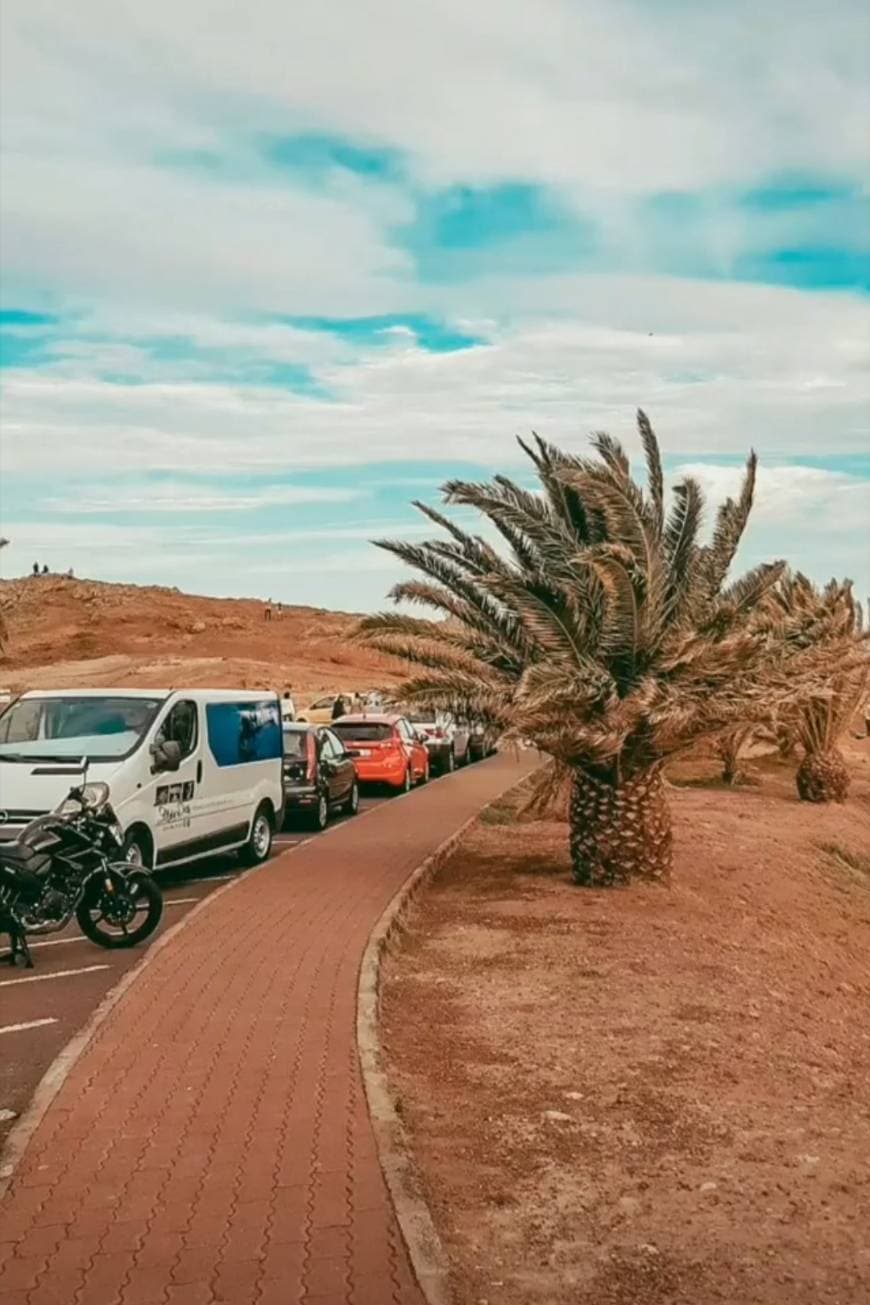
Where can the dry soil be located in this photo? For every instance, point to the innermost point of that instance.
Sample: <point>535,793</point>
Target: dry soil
<point>648,1095</point>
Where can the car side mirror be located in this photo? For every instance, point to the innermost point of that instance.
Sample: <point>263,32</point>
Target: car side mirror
<point>420,736</point>
<point>167,756</point>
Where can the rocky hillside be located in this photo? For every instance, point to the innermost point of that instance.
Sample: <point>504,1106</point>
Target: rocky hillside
<point>76,633</point>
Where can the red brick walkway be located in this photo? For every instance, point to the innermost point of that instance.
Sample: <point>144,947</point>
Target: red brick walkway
<point>213,1144</point>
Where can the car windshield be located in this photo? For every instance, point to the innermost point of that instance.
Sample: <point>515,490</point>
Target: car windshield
<point>294,743</point>
<point>100,728</point>
<point>362,731</point>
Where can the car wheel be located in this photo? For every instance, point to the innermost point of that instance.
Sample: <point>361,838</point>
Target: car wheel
<point>320,814</point>
<point>352,804</point>
<point>450,763</point>
<point>259,843</point>
<point>407,781</point>
<point>424,778</point>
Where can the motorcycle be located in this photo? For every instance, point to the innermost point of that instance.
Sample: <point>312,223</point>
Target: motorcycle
<point>71,863</point>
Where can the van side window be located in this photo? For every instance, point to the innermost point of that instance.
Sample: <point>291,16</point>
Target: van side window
<point>243,732</point>
<point>180,727</point>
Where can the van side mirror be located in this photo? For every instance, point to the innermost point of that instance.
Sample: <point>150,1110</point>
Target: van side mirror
<point>167,756</point>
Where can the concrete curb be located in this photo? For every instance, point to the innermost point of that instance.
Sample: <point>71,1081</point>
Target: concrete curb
<point>425,1249</point>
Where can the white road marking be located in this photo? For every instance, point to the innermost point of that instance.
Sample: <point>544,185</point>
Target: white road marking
<point>58,942</point>
<point>181,901</point>
<point>30,1024</point>
<point>57,974</point>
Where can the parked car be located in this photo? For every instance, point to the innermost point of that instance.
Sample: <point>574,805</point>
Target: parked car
<point>192,771</point>
<point>319,712</point>
<point>482,742</point>
<point>386,749</point>
<point>447,739</point>
<point>319,774</point>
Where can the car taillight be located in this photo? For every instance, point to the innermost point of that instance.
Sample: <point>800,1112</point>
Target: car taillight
<point>311,753</point>
<point>438,733</point>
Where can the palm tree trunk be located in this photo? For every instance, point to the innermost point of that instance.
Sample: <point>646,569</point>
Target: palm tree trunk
<point>823,777</point>
<point>620,832</point>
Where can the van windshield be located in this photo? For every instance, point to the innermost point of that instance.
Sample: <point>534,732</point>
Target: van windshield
<point>99,728</point>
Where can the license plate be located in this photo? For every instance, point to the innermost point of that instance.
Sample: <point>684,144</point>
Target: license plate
<point>363,752</point>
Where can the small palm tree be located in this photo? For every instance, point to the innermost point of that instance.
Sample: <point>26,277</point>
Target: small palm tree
<point>729,746</point>
<point>817,716</point>
<point>606,634</point>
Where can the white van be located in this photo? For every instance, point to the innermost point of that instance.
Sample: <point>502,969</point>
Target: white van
<point>191,772</point>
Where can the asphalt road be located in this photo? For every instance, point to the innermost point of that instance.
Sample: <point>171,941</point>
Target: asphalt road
<point>42,1008</point>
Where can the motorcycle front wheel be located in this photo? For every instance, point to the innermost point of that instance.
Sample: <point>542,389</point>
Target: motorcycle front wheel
<point>123,917</point>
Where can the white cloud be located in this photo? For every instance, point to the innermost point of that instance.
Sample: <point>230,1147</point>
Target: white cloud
<point>184,498</point>
<point>795,497</point>
<point>814,518</point>
<point>137,234</point>
<point>718,367</point>
<point>627,95</point>
<point>602,101</point>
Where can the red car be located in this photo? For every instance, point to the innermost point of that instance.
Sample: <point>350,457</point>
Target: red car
<point>386,749</point>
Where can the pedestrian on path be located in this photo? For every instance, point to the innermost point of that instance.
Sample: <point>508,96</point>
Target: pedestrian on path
<point>339,708</point>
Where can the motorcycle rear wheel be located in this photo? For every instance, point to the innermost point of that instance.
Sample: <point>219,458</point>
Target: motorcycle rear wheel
<point>145,897</point>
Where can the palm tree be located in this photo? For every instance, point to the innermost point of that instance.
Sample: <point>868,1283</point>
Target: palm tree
<point>729,746</point>
<point>817,715</point>
<point>605,634</point>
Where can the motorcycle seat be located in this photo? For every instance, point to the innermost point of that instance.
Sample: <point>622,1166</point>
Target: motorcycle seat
<point>19,854</point>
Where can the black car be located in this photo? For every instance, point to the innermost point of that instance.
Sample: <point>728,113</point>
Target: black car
<point>319,774</point>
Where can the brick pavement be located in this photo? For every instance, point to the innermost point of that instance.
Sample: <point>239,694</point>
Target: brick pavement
<point>212,1144</point>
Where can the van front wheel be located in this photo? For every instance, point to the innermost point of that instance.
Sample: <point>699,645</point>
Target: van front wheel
<point>259,843</point>
<point>136,850</point>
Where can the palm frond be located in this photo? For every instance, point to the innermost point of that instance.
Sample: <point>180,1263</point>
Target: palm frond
<point>654,474</point>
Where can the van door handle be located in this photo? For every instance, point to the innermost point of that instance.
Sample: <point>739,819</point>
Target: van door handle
<point>199,772</point>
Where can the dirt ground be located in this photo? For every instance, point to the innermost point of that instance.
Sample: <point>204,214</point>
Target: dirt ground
<point>649,1095</point>
<point>84,634</point>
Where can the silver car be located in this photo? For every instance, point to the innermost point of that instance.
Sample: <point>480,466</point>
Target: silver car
<point>448,741</point>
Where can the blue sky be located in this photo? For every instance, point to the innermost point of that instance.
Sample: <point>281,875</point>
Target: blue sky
<point>269,275</point>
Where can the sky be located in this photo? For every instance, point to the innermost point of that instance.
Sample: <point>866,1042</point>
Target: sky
<point>271,271</point>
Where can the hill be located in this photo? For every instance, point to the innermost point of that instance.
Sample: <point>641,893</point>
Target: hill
<point>80,633</point>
